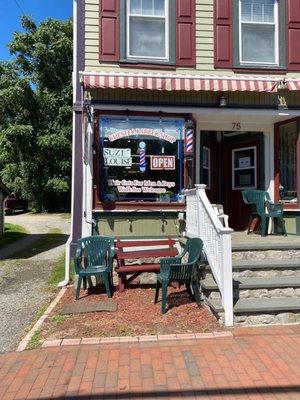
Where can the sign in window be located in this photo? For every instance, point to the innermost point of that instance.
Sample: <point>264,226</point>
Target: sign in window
<point>244,166</point>
<point>141,159</point>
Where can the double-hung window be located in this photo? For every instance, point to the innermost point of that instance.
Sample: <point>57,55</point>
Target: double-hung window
<point>258,32</point>
<point>147,34</point>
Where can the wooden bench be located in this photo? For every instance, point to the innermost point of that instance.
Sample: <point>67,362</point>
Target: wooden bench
<point>164,248</point>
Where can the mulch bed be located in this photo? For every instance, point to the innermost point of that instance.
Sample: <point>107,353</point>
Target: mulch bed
<point>136,315</point>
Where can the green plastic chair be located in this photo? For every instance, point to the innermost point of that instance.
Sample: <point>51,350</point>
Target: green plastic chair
<point>262,207</point>
<point>176,270</point>
<point>94,257</point>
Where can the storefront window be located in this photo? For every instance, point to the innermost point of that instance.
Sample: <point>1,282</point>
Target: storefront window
<point>288,136</point>
<point>141,159</point>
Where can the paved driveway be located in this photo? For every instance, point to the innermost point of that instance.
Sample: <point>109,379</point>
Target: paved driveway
<point>24,272</point>
<point>255,364</point>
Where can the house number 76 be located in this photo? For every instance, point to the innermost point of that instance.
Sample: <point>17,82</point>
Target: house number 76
<point>236,126</point>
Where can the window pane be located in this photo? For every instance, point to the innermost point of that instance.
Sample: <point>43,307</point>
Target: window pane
<point>147,7</point>
<point>135,6</point>
<point>206,160</point>
<point>288,161</point>
<point>244,178</point>
<point>159,7</point>
<point>244,158</point>
<point>258,10</point>
<point>258,43</point>
<point>147,38</point>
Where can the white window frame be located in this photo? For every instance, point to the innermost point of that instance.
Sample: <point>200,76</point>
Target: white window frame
<point>233,168</point>
<point>276,33</point>
<point>208,186</point>
<point>159,17</point>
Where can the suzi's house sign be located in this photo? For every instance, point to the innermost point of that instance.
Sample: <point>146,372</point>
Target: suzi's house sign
<point>117,157</point>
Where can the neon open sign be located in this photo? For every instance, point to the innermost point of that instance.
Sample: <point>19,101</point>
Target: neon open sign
<point>162,162</point>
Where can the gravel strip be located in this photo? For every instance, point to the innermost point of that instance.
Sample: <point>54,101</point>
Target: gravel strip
<point>23,288</point>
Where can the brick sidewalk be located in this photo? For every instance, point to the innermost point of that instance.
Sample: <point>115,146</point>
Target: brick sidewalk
<point>257,363</point>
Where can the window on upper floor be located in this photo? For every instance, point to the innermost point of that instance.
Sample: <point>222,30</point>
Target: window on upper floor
<point>150,32</point>
<point>258,32</point>
<point>147,33</point>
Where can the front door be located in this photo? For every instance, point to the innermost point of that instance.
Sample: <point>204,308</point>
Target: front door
<point>242,160</point>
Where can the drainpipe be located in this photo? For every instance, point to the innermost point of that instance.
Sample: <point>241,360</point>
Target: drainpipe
<point>74,78</point>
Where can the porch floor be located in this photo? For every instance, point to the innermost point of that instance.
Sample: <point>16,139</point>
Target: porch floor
<point>240,240</point>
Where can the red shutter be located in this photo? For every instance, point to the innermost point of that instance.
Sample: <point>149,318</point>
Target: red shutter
<point>185,33</point>
<point>109,30</point>
<point>223,45</point>
<point>293,35</point>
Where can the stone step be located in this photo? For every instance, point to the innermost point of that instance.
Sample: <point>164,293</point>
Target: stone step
<point>256,283</point>
<point>257,246</point>
<point>293,263</point>
<point>257,305</point>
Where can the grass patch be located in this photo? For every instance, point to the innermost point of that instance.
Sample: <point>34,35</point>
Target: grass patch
<point>35,341</point>
<point>40,312</point>
<point>12,233</point>
<point>65,215</point>
<point>58,272</point>
<point>58,319</point>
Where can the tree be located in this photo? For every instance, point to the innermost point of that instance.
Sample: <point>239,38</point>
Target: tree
<point>36,114</point>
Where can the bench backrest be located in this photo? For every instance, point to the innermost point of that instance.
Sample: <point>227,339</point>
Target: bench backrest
<point>141,248</point>
<point>120,244</point>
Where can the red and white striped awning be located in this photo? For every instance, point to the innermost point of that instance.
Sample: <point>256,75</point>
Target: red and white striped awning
<point>172,82</point>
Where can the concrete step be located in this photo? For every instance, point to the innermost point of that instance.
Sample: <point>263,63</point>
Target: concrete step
<point>257,246</point>
<point>253,305</point>
<point>289,263</point>
<point>256,283</point>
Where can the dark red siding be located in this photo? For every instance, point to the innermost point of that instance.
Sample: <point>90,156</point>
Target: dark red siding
<point>293,34</point>
<point>109,30</point>
<point>223,45</point>
<point>185,33</point>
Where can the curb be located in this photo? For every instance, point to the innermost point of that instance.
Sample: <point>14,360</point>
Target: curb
<point>135,339</point>
<point>24,342</point>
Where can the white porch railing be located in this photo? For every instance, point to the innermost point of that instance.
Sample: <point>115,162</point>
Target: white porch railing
<point>202,221</point>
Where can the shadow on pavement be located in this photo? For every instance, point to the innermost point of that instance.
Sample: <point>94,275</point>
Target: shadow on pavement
<point>161,394</point>
<point>33,244</point>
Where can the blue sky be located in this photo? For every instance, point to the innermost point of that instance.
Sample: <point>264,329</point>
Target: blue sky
<point>38,9</point>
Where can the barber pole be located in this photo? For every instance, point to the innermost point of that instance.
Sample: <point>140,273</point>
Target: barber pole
<point>189,139</point>
<point>142,153</point>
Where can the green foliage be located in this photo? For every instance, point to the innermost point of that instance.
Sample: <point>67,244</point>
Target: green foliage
<point>36,114</point>
<point>58,272</point>
<point>35,341</point>
<point>58,319</point>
